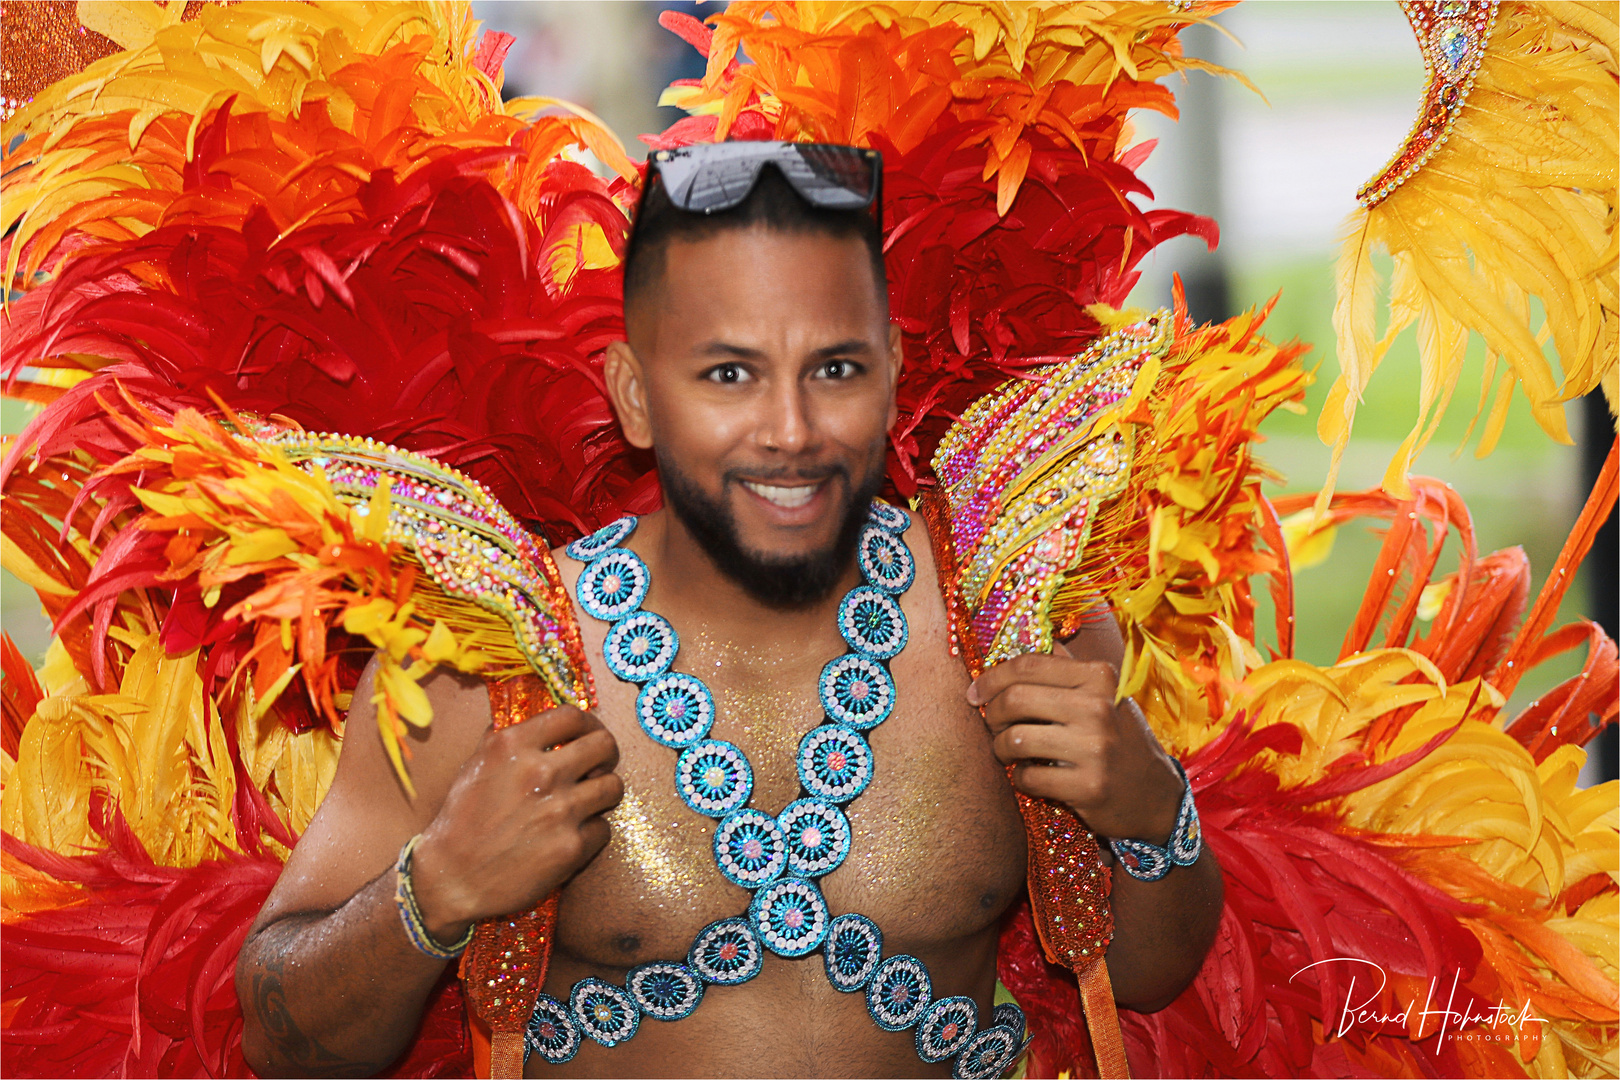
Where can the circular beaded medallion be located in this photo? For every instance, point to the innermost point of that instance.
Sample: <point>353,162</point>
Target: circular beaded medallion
<point>987,1054</point>
<point>945,1027</point>
<point>714,777</point>
<point>872,622</point>
<point>854,947</point>
<point>750,848</point>
<point>885,562</point>
<point>589,547</point>
<point>551,1032</point>
<point>888,517</point>
<point>817,835</point>
<point>613,585</point>
<point>727,952</point>
<point>790,916</point>
<point>675,709</point>
<point>857,691</point>
<point>640,647</point>
<point>665,990</point>
<point>898,993</point>
<point>835,763</point>
<point>603,1011</point>
<point>1008,1015</point>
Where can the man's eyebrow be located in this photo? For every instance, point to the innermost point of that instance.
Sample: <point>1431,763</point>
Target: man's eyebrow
<point>843,348</point>
<point>727,349</point>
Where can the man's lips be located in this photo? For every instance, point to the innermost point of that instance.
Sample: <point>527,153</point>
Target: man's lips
<point>786,496</point>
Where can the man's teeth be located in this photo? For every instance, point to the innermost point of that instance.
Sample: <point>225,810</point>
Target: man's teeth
<point>788,498</point>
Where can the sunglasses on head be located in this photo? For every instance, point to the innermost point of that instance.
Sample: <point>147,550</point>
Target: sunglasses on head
<point>707,178</point>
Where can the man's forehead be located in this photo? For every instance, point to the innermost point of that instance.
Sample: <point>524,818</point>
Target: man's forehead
<point>747,286</point>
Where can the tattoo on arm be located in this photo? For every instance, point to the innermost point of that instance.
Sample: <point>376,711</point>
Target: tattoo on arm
<point>295,1048</point>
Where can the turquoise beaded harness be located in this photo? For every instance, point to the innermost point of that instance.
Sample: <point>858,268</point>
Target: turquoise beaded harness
<point>778,859</point>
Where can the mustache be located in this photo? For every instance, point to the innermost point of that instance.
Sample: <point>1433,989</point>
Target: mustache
<point>813,473</point>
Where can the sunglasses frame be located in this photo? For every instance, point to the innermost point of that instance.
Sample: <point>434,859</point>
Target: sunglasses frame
<point>759,154</point>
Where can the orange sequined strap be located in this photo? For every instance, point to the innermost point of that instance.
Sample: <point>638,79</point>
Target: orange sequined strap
<point>1102,1021</point>
<point>505,966</point>
<point>41,42</point>
<point>1068,883</point>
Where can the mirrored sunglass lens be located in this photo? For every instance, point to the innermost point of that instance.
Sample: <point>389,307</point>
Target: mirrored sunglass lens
<point>840,165</point>
<point>721,185</point>
<point>830,177</point>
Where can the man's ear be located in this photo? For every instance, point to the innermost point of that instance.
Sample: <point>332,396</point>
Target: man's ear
<point>627,389</point>
<point>896,360</point>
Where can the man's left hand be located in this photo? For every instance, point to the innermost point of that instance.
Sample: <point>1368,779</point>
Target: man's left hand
<point>1054,718</point>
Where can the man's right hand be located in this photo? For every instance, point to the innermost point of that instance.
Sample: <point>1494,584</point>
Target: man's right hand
<point>520,818</point>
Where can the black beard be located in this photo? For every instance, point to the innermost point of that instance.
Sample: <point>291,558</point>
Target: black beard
<point>775,583</point>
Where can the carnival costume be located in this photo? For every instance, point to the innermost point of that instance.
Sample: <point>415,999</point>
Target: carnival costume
<point>316,322</point>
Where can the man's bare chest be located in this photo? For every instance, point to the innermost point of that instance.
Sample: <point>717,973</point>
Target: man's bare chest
<point>937,846</point>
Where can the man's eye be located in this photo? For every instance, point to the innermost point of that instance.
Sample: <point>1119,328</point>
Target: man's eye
<point>838,369</point>
<point>727,373</point>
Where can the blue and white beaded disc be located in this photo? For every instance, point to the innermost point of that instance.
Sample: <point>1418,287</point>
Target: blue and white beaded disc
<point>1009,1015</point>
<point>750,848</point>
<point>589,547</point>
<point>714,777</point>
<point>675,709</point>
<point>945,1027</point>
<point>885,561</point>
<point>817,835</point>
<point>888,517</point>
<point>603,1011</point>
<point>854,947</point>
<point>640,647</point>
<point>987,1054</point>
<point>613,585</point>
<point>551,1032</point>
<point>857,690</point>
<point>665,990</point>
<point>834,763</point>
<point>898,993</point>
<point>727,952</point>
<point>872,622</point>
<point>790,916</point>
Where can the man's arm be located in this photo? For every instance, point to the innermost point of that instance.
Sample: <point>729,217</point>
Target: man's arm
<point>1054,718</point>
<point>329,982</point>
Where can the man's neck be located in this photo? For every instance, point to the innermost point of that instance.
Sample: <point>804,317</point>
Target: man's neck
<point>689,586</point>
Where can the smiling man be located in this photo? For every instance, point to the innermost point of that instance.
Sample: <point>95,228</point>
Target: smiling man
<point>783,726</point>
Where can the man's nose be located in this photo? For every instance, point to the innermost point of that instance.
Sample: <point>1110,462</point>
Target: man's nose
<point>786,425</point>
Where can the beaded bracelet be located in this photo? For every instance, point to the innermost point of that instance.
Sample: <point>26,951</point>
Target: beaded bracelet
<point>1150,862</point>
<point>411,915</point>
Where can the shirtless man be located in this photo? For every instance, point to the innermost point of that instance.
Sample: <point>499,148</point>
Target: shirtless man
<point>760,367</point>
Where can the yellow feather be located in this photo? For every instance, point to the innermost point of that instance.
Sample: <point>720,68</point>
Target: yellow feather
<point>1518,203</point>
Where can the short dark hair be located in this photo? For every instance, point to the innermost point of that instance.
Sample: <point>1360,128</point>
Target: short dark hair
<point>772,204</point>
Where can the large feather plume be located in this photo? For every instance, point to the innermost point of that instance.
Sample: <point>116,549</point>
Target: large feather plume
<point>1382,808</point>
<point>1518,207</point>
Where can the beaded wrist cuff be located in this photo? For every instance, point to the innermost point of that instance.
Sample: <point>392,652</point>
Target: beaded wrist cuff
<point>411,915</point>
<point>1150,862</point>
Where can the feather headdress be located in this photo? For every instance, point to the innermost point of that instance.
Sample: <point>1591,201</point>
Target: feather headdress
<point>1502,199</point>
